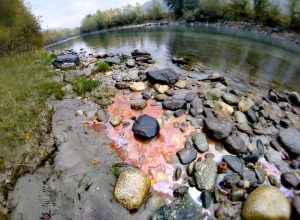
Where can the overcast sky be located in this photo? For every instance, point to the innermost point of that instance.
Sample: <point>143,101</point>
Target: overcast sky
<point>69,13</point>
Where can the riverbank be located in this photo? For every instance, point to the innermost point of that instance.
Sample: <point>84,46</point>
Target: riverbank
<point>25,117</point>
<point>202,117</point>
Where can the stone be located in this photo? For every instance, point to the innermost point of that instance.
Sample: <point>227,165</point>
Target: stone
<point>132,75</point>
<point>130,63</point>
<point>161,88</point>
<point>68,58</point>
<point>174,104</point>
<point>296,205</point>
<point>122,85</point>
<point>237,195</point>
<point>138,104</point>
<point>250,176</point>
<point>140,53</point>
<point>181,84</point>
<point>291,140</point>
<point>285,123</point>
<point>294,98</point>
<point>234,144</point>
<point>251,116</point>
<point>113,60</point>
<point>260,175</point>
<point>162,97</point>
<point>189,97</point>
<point>115,121</point>
<point>145,127</point>
<point>68,66</point>
<point>132,188</point>
<point>149,93</point>
<point>245,104</point>
<point>242,122</point>
<point>199,141</point>
<point>234,163</point>
<point>290,180</point>
<point>181,208</point>
<point>230,99</point>
<point>187,155</point>
<point>266,202</point>
<point>230,181</point>
<point>205,173</point>
<point>178,113</point>
<point>260,146</point>
<point>225,107</point>
<point>163,76</point>
<point>218,128</point>
<point>138,86</point>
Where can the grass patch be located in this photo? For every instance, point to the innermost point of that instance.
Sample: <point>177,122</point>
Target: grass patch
<point>102,67</point>
<point>24,87</point>
<point>82,85</point>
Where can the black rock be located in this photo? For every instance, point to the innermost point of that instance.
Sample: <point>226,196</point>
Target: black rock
<point>145,127</point>
<point>294,98</point>
<point>234,144</point>
<point>234,163</point>
<point>187,155</point>
<point>68,58</point>
<point>285,123</point>
<point>275,145</point>
<point>251,116</point>
<point>251,157</point>
<point>290,180</point>
<point>291,140</point>
<point>164,76</point>
<point>260,147</point>
<point>174,104</point>
<point>218,128</point>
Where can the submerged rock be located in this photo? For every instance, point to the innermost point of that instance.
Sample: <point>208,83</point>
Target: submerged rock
<point>291,140</point>
<point>145,127</point>
<point>132,189</point>
<point>218,128</point>
<point>266,202</point>
<point>181,208</point>
<point>164,76</point>
<point>205,173</point>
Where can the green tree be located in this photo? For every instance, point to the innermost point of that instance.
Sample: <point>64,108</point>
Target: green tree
<point>177,6</point>
<point>294,13</point>
<point>238,9</point>
<point>155,11</point>
<point>260,8</point>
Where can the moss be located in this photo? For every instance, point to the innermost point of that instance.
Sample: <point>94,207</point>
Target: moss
<point>102,67</point>
<point>103,94</point>
<point>82,85</point>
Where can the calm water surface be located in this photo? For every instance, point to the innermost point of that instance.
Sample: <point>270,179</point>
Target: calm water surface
<point>255,60</point>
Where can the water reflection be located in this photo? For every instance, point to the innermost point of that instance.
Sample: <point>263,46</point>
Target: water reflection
<point>262,62</point>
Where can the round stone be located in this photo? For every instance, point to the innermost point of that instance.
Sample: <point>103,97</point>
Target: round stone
<point>145,127</point>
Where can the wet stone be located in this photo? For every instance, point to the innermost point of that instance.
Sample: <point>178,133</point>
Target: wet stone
<point>266,202</point>
<point>205,173</point>
<point>260,147</point>
<point>200,142</point>
<point>174,104</point>
<point>251,116</point>
<point>291,139</point>
<point>218,128</point>
<point>187,155</point>
<point>290,180</point>
<point>145,127</point>
<point>234,163</point>
<point>235,144</point>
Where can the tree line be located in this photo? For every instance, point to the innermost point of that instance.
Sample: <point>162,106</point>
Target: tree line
<point>265,12</point>
<point>19,29</point>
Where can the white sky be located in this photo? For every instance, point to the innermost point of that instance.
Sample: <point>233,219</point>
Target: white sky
<point>69,13</point>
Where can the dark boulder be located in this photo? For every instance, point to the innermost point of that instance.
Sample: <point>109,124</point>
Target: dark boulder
<point>164,76</point>
<point>67,58</point>
<point>290,180</point>
<point>145,127</point>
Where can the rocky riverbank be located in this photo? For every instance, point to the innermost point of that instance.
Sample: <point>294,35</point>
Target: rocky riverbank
<point>190,145</point>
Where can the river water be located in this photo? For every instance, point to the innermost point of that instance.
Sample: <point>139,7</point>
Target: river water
<point>255,59</point>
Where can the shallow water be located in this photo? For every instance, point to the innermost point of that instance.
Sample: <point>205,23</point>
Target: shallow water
<point>255,59</point>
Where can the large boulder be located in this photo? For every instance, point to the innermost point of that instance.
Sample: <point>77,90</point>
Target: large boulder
<point>132,188</point>
<point>218,128</point>
<point>145,127</point>
<point>67,58</point>
<point>164,76</point>
<point>205,173</point>
<point>291,140</point>
<point>266,203</point>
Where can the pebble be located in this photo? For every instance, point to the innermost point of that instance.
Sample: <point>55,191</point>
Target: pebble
<point>234,163</point>
<point>178,173</point>
<point>290,180</point>
<point>187,155</point>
